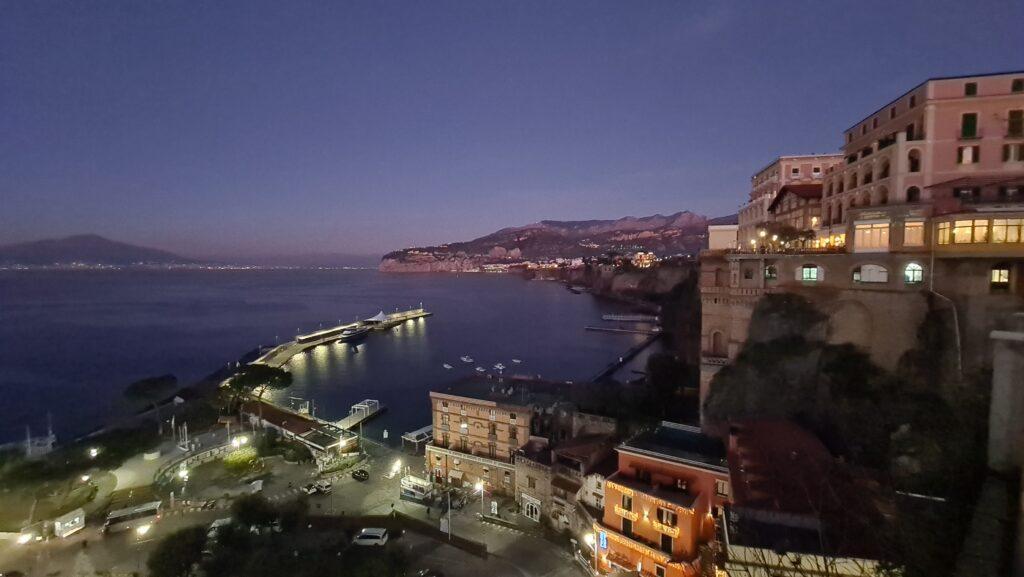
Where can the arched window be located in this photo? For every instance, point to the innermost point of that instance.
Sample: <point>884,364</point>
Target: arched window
<point>913,273</point>
<point>913,194</point>
<point>1000,279</point>
<point>870,273</point>
<point>853,180</point>
<point>882,195</point>
<point>865,199</point>
<point>884,171</point>
<point>809,273</point>
<point>914,161</point>
<point>718,345</point>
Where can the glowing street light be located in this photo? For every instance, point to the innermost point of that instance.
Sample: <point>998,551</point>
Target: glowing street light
<point>479,486</point>
<point>239,441</point>
<point>589,540</point>
<point>93,451</point>
<point>85,478</point>
<point>762,233</point>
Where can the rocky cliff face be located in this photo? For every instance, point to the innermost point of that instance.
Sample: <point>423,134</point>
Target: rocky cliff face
<point>680,233</point>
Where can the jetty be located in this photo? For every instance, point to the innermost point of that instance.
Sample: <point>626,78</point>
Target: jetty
<point>625,358</point>
<point>360,413</point>
<point>281,354</point>
<point>631,318</point>
<point>653,331</point>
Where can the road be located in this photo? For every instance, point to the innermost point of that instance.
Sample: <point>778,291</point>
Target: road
<point>514,553</point>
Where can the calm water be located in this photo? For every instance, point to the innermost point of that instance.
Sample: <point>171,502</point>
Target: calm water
<point>71,341</point>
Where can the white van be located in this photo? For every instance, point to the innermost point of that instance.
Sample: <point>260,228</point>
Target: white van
<point>371,537</point>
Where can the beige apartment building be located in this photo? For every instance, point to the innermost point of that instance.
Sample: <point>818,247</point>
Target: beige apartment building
<point>767,182</point>
<point>476,436</point>
<point>925,211</point>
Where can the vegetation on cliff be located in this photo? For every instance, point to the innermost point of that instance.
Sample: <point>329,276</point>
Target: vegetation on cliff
<point>921,426</point>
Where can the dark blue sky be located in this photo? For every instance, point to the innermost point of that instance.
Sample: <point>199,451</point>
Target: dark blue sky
<point>251,127</point>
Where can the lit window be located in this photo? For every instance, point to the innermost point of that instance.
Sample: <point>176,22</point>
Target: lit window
<point>1000,280</point>
<point>913,273</point>
<point>666,516</point>
<point>968,154</point>
<point>1006,230</point>
<point>913,234</point>
<point>943,232</point>
<point>809,273</point>
<point>871,236</point>
<point>970,231</point>
<point>721,488</point>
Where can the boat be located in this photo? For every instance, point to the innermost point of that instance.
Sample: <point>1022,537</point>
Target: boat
<point>352,333</point>
<point>499,367</point>
<point>516,361</point>
<point>446,365</point>
<point>481,370</point>
<point>466,359</point>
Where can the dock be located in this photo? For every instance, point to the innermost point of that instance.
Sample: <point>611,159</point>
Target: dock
<point>360,413</point>
<point>631,318</point>
<point>628,356</point>
<point>414,441</point>
<point>281,354</point>
<point>653,331</point>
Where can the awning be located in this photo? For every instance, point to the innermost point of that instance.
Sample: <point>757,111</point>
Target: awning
<point>457,475</point>
<point>980,181</point>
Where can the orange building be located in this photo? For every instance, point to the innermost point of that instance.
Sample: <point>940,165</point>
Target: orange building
<point>657,508</point>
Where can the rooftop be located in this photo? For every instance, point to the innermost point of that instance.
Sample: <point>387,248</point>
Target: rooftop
<point>669,494</point>
<point>684,444</point>
<point>932,79</point>
<point>510,391</point>
<point>806,191</point>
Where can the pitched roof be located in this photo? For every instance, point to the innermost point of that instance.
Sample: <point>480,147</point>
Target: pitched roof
<point>806,191</point>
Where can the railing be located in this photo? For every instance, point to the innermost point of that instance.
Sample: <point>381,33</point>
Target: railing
<point>714,360</point>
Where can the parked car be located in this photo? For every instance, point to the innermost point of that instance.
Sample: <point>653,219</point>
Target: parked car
<point>360,475</point>
<point>310,489</point>
<point>324,487</point>
<point>373,537</point>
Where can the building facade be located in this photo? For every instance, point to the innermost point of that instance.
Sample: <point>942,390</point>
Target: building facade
<point>659,505</point>
<point>476,439</point>
<point>767,182</point>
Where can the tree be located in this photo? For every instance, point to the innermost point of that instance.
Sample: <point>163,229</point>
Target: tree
<point>151,391</point>
<point>178,554</point>
<point>253,510</point>
<point>257,378</point>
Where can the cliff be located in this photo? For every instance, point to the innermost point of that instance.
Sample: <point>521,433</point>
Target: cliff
<point>682,233</point>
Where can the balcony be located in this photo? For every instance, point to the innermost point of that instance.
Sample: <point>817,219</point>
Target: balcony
<point>707,359</point>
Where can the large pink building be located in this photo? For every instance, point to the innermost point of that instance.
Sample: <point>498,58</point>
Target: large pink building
<point>924,211</point>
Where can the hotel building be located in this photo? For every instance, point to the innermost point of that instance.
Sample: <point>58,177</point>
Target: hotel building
<point>659,505</point>
<point>767,182</point>
<point>924,212</point>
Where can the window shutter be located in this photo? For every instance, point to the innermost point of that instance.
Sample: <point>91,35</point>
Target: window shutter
<point>1006,152</point>
<point>821,274</point>
<point>977,154</point>
<point>960,155</point>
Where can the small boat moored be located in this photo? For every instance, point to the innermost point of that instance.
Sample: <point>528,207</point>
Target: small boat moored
<point>466,359</point>
<point>480,370</point>
<point>447,366</point>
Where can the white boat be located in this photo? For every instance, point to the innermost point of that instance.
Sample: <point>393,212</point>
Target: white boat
<point>480,370</point>
<point>517,361</point>
<point>499,367</point>
<point>446,365</point>
<point>466,359</point>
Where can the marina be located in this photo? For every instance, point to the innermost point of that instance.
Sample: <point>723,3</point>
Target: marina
<point>350,332</point>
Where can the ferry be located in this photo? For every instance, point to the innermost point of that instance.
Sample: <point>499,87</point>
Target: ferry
<point>466,359</point>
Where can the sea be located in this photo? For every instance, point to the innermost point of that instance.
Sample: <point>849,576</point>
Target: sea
<point>72,340</point>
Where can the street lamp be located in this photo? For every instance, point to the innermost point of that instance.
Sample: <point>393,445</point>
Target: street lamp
<point>479,486</point>
<point>762,233</point>
<point>85,478</point>
<point>93,451</point>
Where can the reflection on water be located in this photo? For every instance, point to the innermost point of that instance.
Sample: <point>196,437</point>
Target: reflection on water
<point>71,341</point>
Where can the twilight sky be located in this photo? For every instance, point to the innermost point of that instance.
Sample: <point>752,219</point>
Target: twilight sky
<point>270,127</point>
